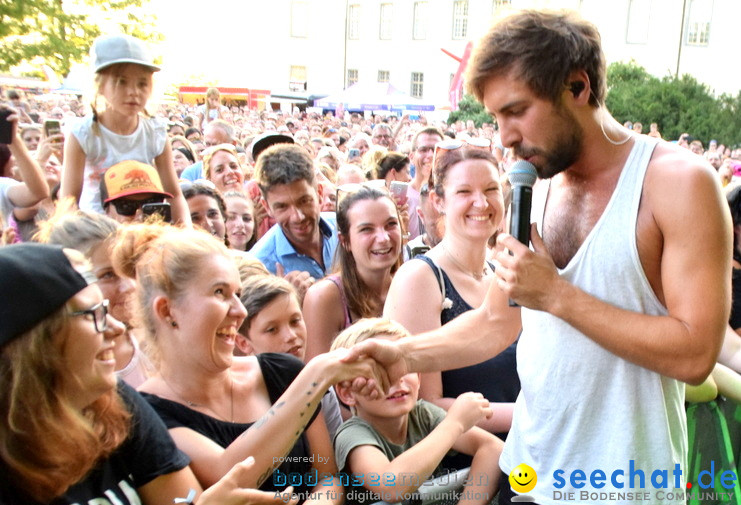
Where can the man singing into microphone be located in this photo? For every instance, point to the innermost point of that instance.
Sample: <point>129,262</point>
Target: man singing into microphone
<point>626,292</point>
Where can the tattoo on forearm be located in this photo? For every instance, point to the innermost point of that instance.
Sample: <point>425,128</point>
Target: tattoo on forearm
<point>264,419</point>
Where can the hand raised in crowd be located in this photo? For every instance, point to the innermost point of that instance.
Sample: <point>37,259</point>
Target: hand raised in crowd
<point>299,279</point>
<point>7,236</point>
<point>230,490</point>
<point>261,213</point>
<point>403,216</point>
<point>468,409</point>
<point>48,146</point>
<point>13,119</point>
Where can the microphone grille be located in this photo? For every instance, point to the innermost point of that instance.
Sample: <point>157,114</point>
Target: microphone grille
<point>522,173</point>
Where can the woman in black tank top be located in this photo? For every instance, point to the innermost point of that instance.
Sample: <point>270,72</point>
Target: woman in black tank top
<point>454,277</point>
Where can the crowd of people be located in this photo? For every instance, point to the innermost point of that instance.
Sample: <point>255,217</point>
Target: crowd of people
<point>229,295</point>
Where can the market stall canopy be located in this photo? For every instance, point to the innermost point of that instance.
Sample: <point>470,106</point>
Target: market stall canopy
<point>373,96</point>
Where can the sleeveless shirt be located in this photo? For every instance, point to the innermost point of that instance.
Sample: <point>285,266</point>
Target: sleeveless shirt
<point>582,407</point>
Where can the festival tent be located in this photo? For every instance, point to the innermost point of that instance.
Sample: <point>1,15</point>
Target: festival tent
<point>363,96</point>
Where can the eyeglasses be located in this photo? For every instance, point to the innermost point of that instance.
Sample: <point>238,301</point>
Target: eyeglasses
<point>99,313</point>
<point>453,144</point>
<point>126,207</point>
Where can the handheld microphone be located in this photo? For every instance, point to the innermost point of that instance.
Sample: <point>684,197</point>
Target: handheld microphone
<point>521,176</point>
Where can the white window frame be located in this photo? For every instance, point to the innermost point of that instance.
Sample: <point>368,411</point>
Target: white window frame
<point>384,76</point>
<point>352,76</point>
<point>419,23</point>
<point>698,22</point>
<point>386,21</point>
<point>299,18</point>
<point>297,79</point>
<point>417,84</point>
<point>460,19</point>
<point>353,22</point>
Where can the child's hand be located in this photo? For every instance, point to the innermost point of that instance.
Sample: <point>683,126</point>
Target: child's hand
<point>338,368</point>
<point>468,409</point>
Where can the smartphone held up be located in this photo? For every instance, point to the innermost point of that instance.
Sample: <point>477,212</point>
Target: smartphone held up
<point>6,127</point>
<point>399,191</point>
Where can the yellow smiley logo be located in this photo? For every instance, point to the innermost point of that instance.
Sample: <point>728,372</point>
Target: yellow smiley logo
<point>523,478</point>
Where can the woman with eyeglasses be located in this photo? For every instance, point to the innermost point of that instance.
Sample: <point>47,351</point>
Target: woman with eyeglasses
<point>70,431</point>
<point>220,408</point>
<point>221,166</point>
<point>454,276</point>
<point>369,233</point>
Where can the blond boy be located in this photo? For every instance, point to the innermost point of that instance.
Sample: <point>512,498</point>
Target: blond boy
<point>393,444</point>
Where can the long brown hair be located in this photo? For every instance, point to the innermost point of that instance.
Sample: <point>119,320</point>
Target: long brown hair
<point>356,290</point>
<point>45,442</point>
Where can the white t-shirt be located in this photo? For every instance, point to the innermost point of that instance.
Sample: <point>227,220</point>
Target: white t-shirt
<point>212,114</point>
<point>6,206</point>
<point>107,148</point>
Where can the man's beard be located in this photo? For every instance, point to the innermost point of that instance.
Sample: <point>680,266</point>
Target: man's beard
<point>568,147</point>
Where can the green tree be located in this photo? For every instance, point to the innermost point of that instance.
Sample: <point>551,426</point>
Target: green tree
<point>678,105</point>
<point>60,32</point>
<point>469,108</point>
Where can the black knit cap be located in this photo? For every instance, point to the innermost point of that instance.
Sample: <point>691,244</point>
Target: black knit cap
<point>35,280</point>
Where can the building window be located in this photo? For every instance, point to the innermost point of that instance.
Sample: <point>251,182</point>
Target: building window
<point>352,76</point>
<point>638,20</point>
<point>419,30</point>
<point>418,79</point>
<point>353,20</point>
<point>698,26</point>
<point>386,24</point>
<point>297,81</point>
<point>460,19</point>
<point>299,17</point>
<point>499,4</point>
<point>383,75</point>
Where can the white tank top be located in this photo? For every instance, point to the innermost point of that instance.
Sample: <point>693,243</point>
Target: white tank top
<point>582,407</point>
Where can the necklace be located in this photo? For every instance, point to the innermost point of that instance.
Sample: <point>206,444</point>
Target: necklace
<point>203,405</point>
<point>462,267</point>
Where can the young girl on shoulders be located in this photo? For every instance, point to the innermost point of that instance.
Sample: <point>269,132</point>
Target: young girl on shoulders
<point>122,130</point>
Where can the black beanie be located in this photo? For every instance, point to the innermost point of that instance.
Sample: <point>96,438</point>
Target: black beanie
<point>35,280</point>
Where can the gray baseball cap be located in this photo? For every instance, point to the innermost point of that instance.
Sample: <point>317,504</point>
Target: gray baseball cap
<point>112,49</point>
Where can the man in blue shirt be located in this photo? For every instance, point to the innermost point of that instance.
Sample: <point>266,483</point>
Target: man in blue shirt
<point>304,241</point>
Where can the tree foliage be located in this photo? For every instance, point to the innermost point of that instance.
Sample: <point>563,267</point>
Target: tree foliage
<point>60,32</point>
<point>678,105</point>
<point>470,108</point>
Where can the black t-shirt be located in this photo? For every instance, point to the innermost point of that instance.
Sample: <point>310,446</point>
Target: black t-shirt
<point>147,453</point>
<point>278,371</point>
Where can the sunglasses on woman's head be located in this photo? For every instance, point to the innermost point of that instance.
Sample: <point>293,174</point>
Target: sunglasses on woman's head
<point>453,144</point>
